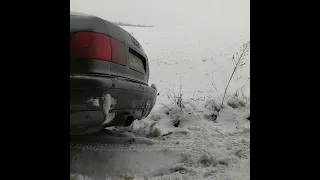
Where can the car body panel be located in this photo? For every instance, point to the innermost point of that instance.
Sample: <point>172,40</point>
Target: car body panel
<point>104,93</point>
<point>87,23</point>
<point>131,99</point>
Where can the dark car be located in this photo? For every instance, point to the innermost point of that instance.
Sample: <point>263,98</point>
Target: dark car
<point>109,75</point>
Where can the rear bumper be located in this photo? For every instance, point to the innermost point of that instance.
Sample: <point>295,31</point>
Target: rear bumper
<point>106,101</point>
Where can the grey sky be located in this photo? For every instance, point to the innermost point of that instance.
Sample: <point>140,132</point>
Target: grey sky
<point>213,13</point>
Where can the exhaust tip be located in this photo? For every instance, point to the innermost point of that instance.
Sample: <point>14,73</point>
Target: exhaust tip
<point>129,120</point>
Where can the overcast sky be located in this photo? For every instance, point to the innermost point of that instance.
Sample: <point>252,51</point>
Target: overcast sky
<point>221,13</point>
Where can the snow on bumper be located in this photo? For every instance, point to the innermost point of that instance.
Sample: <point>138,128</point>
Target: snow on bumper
<point>108,108</point>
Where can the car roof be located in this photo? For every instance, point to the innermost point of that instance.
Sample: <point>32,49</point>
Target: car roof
<point>80,14</point>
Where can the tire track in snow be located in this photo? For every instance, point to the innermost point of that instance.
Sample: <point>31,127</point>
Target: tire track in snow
<point>115,155</point>
<point>145,144</point>
<point>100,160</point>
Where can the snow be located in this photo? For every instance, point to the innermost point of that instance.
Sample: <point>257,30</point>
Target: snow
<point>198,148</point>
<point>199,140</point>
<point>176,57</point>
<point>108,104</point>
<point>94,102</point>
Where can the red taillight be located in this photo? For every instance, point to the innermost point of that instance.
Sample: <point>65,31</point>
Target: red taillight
<point>90,45</point>
<point>119,54</point>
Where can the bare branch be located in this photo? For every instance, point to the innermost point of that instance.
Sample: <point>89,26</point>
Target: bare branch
<point>212,81</point>
<point>244,52</point>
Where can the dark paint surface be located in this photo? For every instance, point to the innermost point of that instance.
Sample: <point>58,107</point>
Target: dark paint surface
<point>92,78</point>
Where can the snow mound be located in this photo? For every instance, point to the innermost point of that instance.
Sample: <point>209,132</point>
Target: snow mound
<point>79,177</point>
<point>172,120</point>
<point>228,137</point>
<point>236,103</point>
<point>168,119</point>
<point>209,149</point>
<point>207,161</point>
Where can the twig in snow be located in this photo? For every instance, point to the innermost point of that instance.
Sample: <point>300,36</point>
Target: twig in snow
<point>212,81</point>
<point>166,106</point>
<point>244,52</point>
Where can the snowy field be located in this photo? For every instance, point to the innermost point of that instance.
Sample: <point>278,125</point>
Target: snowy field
<point>194,57</point>
<point>174,143</point>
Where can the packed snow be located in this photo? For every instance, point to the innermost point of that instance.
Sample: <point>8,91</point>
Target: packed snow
<point>94,102</point>
<point>108,106</point>
<point>192,139</point>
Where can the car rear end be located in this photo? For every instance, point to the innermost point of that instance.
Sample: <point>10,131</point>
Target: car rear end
<point>109,74</point>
